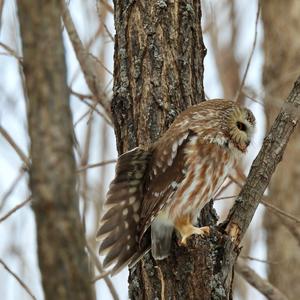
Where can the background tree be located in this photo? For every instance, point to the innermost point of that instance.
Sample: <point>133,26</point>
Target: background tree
<point>60,233</point>
<point>282,56</point>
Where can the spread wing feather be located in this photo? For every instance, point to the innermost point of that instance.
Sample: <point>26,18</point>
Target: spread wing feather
<point>119,225</point>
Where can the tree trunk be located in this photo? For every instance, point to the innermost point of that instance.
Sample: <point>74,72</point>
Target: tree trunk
<point>282,55</point>
<point>158,72</point>
<point>63,262</point>
<point>158,69</point>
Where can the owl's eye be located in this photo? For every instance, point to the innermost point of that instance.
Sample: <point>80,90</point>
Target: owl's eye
<point>241,126</point>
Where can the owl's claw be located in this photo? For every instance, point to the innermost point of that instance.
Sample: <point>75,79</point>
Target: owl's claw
<point>187,231</point>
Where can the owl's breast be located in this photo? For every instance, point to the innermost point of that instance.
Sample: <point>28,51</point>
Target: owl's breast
<point>207,166</point>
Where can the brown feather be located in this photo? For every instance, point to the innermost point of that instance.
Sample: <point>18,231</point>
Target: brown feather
<point>161,184</point>
<point>120,222</point>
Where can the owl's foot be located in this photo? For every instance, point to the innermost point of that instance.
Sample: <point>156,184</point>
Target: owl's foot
<point>189,230</point>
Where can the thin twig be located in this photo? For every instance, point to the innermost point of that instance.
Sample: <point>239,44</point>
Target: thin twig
<point>233,179</point>
<point>252,98</point>
<point>100,164</point>
<point>81,96</point>
<point>13,210</point>
<point>226,197</point>
<point>109,33</point>
<point>222,189</point>
<point>258,260</point>
<point>11,188</point>
<point>265,203</point>
<point>102,65</point>
<point>14,145</point>
<point>99,267</point>
<point>251,54</point>
<point>84,182</point>
<point>274,208</point>
<point>88,63</point>
<point>20,281</point>
<point>11,52</point>
<point>92,109</point>
<point>81,118</point>
<point>107,6</point>
<point>280,211</point>
<point>101,276</point>
<point>262,285</point>
<point>291,227</point>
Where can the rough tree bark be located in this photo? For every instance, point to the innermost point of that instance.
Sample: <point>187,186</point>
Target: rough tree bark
<point>158,67</point>
<point>282,56</point>
<point>61,241</point>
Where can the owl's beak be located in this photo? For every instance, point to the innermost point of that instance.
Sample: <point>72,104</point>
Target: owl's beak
<point>243,146</point>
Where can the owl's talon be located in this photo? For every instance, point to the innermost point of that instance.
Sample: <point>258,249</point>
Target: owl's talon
<point>191,230</point>
<point>182,242</point>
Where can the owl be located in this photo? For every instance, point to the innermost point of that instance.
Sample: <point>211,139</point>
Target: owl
<point>164,187</point>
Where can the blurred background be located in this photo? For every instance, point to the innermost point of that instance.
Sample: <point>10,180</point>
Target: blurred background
<point>231,34</point>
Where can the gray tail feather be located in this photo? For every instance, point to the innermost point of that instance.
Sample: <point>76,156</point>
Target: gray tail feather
<point>161,239</point>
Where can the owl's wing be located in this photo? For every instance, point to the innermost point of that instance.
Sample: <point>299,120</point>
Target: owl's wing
<point>118,230</point>
<point>167,171</point>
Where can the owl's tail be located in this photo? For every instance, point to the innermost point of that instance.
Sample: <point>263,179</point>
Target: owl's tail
<point>119,226</point>
<point>161,238</point>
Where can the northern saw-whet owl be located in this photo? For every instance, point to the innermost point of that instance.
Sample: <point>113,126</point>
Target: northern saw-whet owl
<point>164,187</point>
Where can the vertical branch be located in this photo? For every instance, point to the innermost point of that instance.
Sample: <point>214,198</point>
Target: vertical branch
<point>227,65</point>
<point>61,242</point>
<point>237,96</point>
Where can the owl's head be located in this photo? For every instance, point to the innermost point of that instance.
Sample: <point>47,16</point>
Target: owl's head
<point>241,125</point>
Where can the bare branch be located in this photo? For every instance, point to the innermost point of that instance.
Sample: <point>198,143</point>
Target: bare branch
<point>262,285</point>
<point>11,188</point>
<point>20,281</point>
<point>274,208</point>
<point>252,98</point>
<point>222,189</point>
<point>81,96</point>
<point>225,197</point>
<point>88,63</point>
<point>291,227</point>
<point>258,259</point>
<point>264,166</point>
<point>109,33</point>
<point>101,276</point>
<point>99,267</point>
<point>280,211</point>
<point>13,210</point>
<point>107,6</point>
<point>11,52</point>
<point>93,107</point>
<point>251,54</point>
<point>100,164</point>
<point>18,150</point>
<point>103,65</point>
